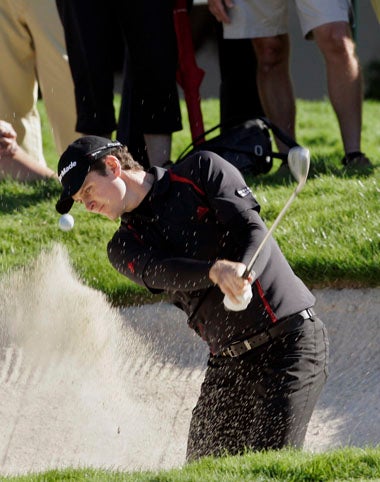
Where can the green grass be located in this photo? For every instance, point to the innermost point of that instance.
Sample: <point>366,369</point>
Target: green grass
<point>347,464</point>
<point>330,236</point>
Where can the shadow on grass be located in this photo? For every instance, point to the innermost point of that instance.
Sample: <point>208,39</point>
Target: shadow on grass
<point>126,296</point>
<point>15,196</point>
<point>319,166</point>
<point>333,276</point>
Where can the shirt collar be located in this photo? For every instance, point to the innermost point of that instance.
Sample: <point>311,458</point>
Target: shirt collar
<point>161,181</point>
<point>160,186</point>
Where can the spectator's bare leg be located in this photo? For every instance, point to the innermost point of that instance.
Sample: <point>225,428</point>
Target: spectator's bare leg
<point>344,80</point>
<point>274,83</point>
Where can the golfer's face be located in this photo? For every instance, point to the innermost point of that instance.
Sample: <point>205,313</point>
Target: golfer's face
<point>102,194</point>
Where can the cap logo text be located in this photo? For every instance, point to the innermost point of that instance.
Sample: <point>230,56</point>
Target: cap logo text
<point>66,169</point>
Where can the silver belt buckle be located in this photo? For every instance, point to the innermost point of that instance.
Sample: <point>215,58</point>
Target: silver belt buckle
<point>228,352</point>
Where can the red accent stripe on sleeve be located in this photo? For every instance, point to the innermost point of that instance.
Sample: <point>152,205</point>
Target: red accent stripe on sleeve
<point>201,212</point>
<point>268,309</point>
<point>175,177</point>
<point>135,233</point>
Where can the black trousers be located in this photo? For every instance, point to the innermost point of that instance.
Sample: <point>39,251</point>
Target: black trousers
<point>138,35</point>
<point>239,96</point>
<point>263,399</point>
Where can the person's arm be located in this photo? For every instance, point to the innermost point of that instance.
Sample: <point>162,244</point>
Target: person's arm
<point>15,163</point>
<point>7,137</point>
<point>155,270</point>
<point>235,207</point>
<point>219,8</point>
<point>228,274</point>
<point>20,166</point>
<point>159,271</point>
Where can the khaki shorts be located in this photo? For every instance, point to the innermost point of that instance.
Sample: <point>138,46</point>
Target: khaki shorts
<point>267,18</point>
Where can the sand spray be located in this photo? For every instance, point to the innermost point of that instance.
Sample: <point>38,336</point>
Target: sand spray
<point>84,385</point>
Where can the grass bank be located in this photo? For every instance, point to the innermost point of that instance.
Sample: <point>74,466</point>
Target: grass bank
<point>347,464</point>
<point>330,235</point>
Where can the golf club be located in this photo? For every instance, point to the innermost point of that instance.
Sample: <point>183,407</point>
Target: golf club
<point>299,163</point>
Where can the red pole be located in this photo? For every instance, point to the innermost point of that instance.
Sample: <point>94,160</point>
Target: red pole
<point>189,75</point>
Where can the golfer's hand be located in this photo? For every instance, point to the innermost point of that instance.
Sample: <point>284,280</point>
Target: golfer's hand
<point>219,8</point>
<point>228,276</point>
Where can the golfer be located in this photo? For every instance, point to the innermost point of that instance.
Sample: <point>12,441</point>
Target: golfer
<point>190,231</point>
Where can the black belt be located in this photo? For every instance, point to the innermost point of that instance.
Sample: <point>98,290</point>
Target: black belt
<point>286,325</point>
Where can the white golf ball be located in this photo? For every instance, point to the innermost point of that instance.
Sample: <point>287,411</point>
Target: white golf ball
<point>66,222</point>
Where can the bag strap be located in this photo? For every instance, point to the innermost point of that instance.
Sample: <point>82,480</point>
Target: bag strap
<point>289,141</point>
<point>194,142</point>
<point>279,133</point>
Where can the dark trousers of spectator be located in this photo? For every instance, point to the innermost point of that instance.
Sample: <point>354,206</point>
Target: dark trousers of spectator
<point>239,97</point>
<point>138,35</point>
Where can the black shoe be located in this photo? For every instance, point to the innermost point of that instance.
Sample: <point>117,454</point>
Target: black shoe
<point>356,160</point>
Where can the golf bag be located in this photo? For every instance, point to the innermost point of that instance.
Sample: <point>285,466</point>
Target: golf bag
<point>247,146</point>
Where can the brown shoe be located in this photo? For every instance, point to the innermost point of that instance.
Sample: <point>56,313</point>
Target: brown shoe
<point>356,160</point>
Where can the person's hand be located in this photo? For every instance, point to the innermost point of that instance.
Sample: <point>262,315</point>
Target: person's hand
<point>8,137</point>
<point>242,302</point>
<point>228,276</point>
<point>219,8</point>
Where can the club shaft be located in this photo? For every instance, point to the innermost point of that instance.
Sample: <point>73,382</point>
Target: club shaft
<point>270,231</point>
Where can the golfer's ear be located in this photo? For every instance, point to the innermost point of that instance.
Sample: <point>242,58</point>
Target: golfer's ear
<point>113,164</point>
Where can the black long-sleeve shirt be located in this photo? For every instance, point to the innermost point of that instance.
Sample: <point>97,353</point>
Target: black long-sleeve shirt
<point>198,211</point>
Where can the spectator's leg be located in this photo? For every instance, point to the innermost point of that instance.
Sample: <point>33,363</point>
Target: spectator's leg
<point>344,80</point>
<point>18,84</point>
<point>239,97</point>
<point>152,48</point>
<point>53,71</point>
<point>129,129</point>
<point>274,83</point>
<point>91,33</point>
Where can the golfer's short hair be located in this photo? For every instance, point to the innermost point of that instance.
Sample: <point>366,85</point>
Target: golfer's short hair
<point>125,157</point>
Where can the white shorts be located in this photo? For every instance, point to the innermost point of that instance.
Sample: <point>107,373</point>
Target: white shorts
<point>267,18</point>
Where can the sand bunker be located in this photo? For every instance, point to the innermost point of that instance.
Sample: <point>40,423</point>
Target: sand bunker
<point>83,384</point>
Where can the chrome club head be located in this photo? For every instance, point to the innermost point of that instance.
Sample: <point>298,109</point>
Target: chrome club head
<point>299,163</point>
